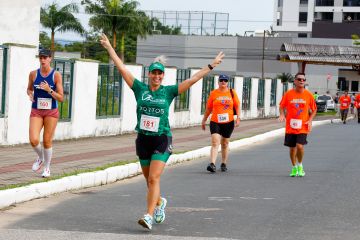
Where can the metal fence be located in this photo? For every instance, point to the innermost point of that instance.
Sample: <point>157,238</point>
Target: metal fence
<point>192,22</point>
<point>182,101</point>
<point>66,69</point>
<point>285,87</point>
<point>246,96</point>
<point>108,91</point>
<point>207,87</point>
<point>144,77</point>
<point>261,93</point>
<point>232,82</point>
<point>3,68</point>
<point>273,92</point>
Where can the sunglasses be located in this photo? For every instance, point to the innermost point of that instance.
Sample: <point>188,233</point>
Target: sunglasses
<point>43,57</point>
<point>223,80</point>
<point>301,79</point>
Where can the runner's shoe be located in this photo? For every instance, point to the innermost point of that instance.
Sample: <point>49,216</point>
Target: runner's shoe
<point>223,167</point>
<point>301,172</point>
<point>294,171</point>
<point>146,221</point>
<point>159,213</point>
<point>211,167</point>
<point>37,164</point>
<point>46,173</point>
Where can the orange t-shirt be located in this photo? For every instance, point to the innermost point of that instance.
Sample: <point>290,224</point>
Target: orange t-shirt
<point>297,106</point>
<point>357,101</point>
<point>344,102</point>
<point>221,105</point>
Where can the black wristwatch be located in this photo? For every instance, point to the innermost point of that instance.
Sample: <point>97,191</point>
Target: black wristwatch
<point>210,67</point>
<point>51,91</point>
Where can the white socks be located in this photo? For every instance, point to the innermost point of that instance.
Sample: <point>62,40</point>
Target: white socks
<point>39,150</point>
<point>47,157</point>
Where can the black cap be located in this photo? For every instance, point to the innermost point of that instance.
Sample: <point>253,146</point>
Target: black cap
<point>45,52</point>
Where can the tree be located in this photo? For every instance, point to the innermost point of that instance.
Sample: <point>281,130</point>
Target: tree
<point>285,77</point>
<point>60,20</point>
<point>45,42</point>
<point>117,17</point>
<point>164,29</point>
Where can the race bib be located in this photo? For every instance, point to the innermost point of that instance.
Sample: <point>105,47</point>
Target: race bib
<point>149,123</point>
<point>344,104</point>
<point>44,103</point>
<point>295,123</point>
<point>223,117</point>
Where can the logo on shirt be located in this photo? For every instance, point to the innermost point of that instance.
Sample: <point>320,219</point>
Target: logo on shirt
<point>147,97</point>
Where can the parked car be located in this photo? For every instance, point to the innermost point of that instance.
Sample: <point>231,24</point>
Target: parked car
<point>324,103</point>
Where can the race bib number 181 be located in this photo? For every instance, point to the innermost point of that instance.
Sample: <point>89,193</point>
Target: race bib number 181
<point>149,123</point>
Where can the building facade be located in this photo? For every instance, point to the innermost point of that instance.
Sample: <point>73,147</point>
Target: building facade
<point>317,18</point>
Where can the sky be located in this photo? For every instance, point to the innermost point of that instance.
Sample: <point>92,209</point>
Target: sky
<point>244,15</point>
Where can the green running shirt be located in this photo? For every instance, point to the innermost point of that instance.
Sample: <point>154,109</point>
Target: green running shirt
<point>152,108</point>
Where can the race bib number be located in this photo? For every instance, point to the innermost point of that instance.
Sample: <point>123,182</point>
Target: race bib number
<point>44,103</point>
<point>344,104</point>
<point>295,123</point>
<point>149,123</point>
<point>223,117</point>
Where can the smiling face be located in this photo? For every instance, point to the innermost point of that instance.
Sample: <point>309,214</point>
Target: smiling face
<point>155,78</point>
<point>223,83</point>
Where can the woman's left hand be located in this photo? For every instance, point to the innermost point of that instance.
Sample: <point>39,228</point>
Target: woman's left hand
<point>237,123</point>
<point>45,86</point>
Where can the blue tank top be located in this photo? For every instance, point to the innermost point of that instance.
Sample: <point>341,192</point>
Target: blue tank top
<point>42,99</point>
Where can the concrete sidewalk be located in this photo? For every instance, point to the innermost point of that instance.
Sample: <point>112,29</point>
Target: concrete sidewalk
<point>89,153</point>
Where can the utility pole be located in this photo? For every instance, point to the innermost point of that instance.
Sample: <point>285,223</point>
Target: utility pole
<point>263,56</point>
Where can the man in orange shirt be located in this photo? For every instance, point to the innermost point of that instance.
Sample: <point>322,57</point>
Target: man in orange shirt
<point>357,105</point>
<point>345,102</point>
<point>223,103</point>
<point>297,102</point>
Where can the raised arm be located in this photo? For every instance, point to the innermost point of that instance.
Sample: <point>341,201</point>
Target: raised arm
<point>126,74</point>
<point>185,85</point>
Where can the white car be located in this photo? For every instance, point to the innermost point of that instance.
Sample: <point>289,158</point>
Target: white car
<point>330,104</point>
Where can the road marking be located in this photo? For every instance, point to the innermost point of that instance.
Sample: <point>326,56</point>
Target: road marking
<point>220,199</point>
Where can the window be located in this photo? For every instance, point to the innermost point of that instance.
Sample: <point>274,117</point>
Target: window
<point>207,87</point>
<point>273,92</point>
<point>321,3</point>
<point>351,3</point>
<point>182,101</point>
<point>302,35</point>
<point>304,2</point>
<point>245,105</point>
<point>280,3</point>
<point>303,17</point>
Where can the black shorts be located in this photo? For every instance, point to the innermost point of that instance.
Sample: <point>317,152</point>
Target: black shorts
<point>292,139</point>
<point>224,129</point>
<point>153,147</point>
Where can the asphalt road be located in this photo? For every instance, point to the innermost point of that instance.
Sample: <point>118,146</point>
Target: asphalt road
<point>255,199</point>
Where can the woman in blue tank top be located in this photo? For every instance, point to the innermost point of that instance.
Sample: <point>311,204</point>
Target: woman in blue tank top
<point>44,90</point>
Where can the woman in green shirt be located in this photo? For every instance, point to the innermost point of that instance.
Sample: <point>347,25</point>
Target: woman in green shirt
<point>154,141</point>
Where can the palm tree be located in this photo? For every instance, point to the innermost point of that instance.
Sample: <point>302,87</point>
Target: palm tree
<point>60,20</point>
<point>285,77</point>
<point>117,17</point>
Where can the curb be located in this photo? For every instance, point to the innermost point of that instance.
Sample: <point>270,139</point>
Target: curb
<point>14,196</point>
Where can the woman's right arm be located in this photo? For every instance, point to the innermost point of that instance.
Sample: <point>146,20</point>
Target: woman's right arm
<point>126,74</point>
<point>30,88</point>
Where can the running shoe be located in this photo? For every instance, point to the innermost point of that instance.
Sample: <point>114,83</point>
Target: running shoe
<point>37,164</point>
<point>46,173</point>
<point>294,171</point>
<point>211,167</point>
<point>301,172</point>
<point>159,213</point>
<point>223,167</point>
<point>146,221</point>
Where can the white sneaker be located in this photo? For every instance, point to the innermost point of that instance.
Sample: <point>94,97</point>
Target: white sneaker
<point>146,221</point>
<point>46,173</point>
<point>37,164</point>
<point>159,213</point>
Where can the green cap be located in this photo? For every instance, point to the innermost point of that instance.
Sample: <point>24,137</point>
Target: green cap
<point>156,66</point>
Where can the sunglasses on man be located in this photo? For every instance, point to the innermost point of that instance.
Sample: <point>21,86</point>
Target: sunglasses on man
<point>301,79</point>
<point>223,80</point>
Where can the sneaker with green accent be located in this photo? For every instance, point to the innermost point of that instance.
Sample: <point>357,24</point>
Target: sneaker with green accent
<point>159,213</point>
<point>294,171</point>
<point>301,172</point>
<point>146,221</point>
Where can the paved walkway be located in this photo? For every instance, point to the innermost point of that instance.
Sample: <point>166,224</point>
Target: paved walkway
<point>89,153</point>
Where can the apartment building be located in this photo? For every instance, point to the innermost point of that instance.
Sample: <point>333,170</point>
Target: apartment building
<point>317,18</point>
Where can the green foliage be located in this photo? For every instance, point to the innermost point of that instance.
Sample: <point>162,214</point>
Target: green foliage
<point>60,20</point>
<point>356,39</point>
<point>285,77</point>
<point>163,29</point>
<point>45,42</point>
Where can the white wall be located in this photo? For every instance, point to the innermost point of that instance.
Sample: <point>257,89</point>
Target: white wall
<point>84,123</point>
<point>20,21</point>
